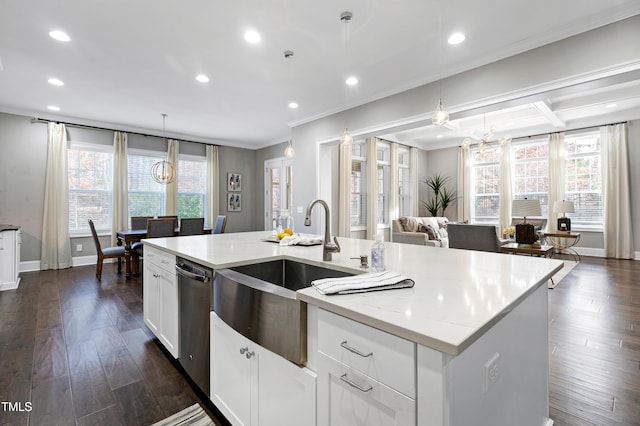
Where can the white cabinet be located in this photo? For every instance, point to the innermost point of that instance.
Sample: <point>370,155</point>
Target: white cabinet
<point>365,376</point>
<point>160,292</point>
<point>253,386</point>
<point>9,257</point>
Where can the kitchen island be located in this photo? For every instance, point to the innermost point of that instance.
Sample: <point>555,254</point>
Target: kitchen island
<point>466,345</point>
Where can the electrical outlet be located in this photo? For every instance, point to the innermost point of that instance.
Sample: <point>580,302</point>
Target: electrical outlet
<point>299,210</point>
<point>491,372</point>
<point>79,247</point>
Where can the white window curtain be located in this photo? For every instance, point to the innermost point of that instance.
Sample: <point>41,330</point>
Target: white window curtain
<point>171,190</point>
<point>464,183</point>
<point>120,203</point>
<point>557,166</point>
<point>506,189</point>
<point>618,230</point>
<point>372,188</point>
<point>394,196</point>
<point>413,178</point>
<point>344,190</point>
<point>56,243</point>
<point>213,185</point>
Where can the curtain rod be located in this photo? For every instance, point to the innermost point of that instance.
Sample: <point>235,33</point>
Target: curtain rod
<point>86,126</point>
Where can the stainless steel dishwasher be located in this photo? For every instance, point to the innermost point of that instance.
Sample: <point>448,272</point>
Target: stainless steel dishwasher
<point>195,303</point>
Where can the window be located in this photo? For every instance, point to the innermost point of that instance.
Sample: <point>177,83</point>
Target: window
<point>358,185</point>
<point>531,172</point>
<point>530,160</point>
<point>90,169</point>
<point>404,186</point>
<point>584,178</point>
<point>383,151</point>
<point>146,196</point>
<point>485,184</point>
<point>192,186</point>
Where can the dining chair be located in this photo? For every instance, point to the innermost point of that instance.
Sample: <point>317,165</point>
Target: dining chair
<point>175,220</point>
<point>221,224</point>
<point>192,226</point>
<point>156,228</point>
<point>139,222</point>
<point>105,253</point>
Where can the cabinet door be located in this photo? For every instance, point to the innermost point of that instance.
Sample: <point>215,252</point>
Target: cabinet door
<point>347,397</point>
<point>233,371</point>
<point>169,327</point>
<point>286,392</point>
<point>151,297</point>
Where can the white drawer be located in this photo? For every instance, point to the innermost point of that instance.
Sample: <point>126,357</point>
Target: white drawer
<point>382,356</point>
<point>160,258</point>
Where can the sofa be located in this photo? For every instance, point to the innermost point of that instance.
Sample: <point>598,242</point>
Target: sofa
<point>474,237</point>
<point>423,231</point>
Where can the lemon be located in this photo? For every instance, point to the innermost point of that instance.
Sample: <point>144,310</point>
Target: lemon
<point>281,235</point>
<point>288,231</point>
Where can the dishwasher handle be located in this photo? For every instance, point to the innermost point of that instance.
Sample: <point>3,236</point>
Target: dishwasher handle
<point>188,274</point>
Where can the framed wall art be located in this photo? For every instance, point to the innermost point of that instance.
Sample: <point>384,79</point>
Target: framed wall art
<point>234,182</point>
<point>234,202</point>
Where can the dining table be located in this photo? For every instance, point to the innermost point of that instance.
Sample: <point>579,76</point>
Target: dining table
<point>127,237</point>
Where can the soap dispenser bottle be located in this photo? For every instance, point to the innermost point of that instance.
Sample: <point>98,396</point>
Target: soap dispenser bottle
<point>377,254</point>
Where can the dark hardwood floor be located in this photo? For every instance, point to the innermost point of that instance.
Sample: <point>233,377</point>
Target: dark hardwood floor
<point>594,345</point>
<point>77,350</point>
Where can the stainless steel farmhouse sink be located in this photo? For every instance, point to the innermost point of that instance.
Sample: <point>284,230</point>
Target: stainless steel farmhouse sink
<point>259,302</point>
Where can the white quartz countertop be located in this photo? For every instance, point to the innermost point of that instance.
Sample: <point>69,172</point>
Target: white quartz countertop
<point>458,294</point>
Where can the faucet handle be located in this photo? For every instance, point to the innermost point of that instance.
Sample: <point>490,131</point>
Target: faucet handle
<point>335,239</point>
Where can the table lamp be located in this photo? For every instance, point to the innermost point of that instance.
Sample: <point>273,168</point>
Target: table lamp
<point>564,223</point>
<point>525,232</point>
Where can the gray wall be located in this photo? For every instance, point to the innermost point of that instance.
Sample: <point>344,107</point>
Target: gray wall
<point>23,152</point>
<point>521,75</point>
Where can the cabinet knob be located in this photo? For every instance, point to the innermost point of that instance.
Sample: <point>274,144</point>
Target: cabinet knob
<point>243,350</point>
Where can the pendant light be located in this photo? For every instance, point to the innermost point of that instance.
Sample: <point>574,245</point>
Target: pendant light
<point>440,116</point>
<point>289,152</point>
<point>345,17</point>
<point>163,171</point>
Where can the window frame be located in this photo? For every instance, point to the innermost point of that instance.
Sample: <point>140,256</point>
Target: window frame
<point>92,147</point>
<point>198,159</point>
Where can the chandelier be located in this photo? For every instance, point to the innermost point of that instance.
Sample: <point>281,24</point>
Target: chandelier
<point>163,171</point>
<point>484,141</point>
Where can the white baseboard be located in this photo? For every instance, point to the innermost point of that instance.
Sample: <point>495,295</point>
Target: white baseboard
<point>34,265</point>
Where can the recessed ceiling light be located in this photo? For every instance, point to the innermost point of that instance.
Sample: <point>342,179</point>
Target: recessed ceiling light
<point>59,35</point>
<point>612,105</point>
<point>440,136</point>
<point>252,36</point>
<point>55,82</point>
<point>53,108</point>
<point>456,38</point>
<point>293,105</point>
<point>202,78</point>
<point>352,81</point>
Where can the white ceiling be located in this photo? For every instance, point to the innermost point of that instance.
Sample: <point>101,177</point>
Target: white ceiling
<point>130,61</point>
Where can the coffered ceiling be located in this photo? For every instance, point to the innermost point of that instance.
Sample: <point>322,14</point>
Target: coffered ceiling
<point>128,62</point>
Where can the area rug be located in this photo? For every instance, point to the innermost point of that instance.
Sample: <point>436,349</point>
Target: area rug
<point>568,266</point>
<point>193,415</point>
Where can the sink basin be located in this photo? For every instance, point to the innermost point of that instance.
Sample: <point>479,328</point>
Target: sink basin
<point>259,302</point>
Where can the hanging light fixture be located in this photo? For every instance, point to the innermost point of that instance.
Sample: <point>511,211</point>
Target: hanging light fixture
<point>484,141</point>
<point>163,171</point>
<point>289,152</point>
<point>440,115</point>
<point>346,17</point>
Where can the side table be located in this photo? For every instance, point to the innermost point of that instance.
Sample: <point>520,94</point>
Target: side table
<point>563,243</point>
<point>515,248</point>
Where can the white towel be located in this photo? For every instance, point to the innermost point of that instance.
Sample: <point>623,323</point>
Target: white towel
<point>364,282</point>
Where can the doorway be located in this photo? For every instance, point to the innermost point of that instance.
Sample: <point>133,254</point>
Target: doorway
<point>277,182</point>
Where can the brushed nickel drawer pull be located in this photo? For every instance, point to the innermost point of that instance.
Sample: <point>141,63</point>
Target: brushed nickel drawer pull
<point>353,384</point>
<point>354,350</point>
